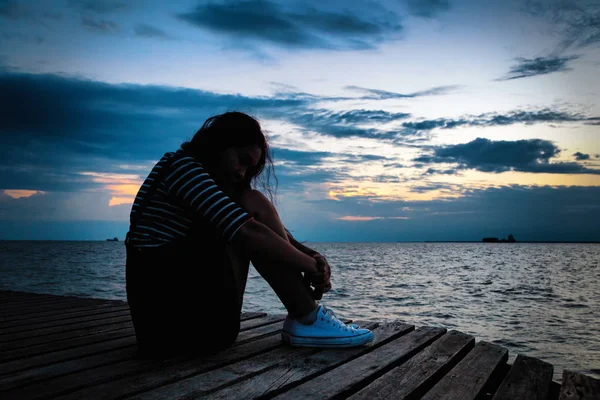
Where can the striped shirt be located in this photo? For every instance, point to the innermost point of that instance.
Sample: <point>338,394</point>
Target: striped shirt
<point>184,192</point>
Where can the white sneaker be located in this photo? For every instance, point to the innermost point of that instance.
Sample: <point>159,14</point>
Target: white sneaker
<point>326,331</point>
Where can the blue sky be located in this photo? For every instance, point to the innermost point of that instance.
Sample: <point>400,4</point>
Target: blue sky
<point>389,120</point>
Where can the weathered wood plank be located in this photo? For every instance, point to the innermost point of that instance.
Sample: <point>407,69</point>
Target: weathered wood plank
<point>354,375</point>
<point>68,343</point>
<point>45,328</point>
<point>87,350</point>
<point>181,369</point>
<point>528,378</point>
<point>290,373</point>
<point>108,326</point>
<point>53,305</point>
<point>57,319</point>
<point>62,369</point>
<point>414,377</point>
<point>76,308</point>
<point>24,301</point>
<point>77,330</point>
<point>576,386</point>
<point>55,357</point>
<point>472,374</point>
<point>86,377</point>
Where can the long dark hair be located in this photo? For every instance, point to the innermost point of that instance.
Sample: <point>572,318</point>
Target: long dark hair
<point>231,130</point>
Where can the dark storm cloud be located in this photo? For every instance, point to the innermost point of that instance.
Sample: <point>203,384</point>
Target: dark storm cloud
<point>294,25</point>
<point>55,126</point>
<point>580,156</point>
<point>98,6</point>
<point>493,119</point>
<point>149,31</point>
<point>11,9</point>
<point>576,21</point>
<point>567,213</point>
<point>532,155</point>
<point>377,94</point>
<point>528,67</point>
<point>427,8</point>
<point>100,26</point>
<point>328,123</point>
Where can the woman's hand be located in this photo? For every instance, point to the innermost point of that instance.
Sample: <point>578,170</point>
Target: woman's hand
<point>321,280</point>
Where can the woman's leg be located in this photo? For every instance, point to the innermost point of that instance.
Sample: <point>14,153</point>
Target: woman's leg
<point>287,284</point>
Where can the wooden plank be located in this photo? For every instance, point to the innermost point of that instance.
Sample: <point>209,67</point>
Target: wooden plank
<point>45,328</point>
<point>86,376</point>
<point>87,350</point>
<point>413,378</point>
<point>61,369</point>
<point>469,379</point>
<point>180,369</point>
<point>68,343</point>
<point>57,319</point>
<point>528,378</point>
<point>32,317</point>
<point>55,357</point>
<point>24,301</point>
<point>576,386</point>
<point>354,375</point>
<point>114,324</point>
<point>58,305</point>
<point>296,370</point>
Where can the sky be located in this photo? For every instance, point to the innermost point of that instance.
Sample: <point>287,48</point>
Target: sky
<point>403,120</point>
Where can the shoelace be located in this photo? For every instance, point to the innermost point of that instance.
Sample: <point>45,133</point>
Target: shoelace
<point>335,320</point>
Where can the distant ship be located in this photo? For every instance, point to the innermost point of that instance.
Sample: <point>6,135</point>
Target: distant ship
<point>509,239</point>
<point>115,239</point>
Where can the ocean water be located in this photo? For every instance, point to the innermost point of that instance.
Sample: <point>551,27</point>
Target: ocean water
<point>541,300</point>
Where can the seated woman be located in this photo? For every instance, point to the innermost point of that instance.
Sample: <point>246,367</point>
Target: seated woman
<point>196,224</point>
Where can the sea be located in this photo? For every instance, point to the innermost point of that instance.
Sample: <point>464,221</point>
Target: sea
<point>537,299</point>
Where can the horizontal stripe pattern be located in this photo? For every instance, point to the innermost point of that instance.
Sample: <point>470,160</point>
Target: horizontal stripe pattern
<point>184,193</point>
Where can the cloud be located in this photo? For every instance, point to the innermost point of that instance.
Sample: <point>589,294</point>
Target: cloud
<point>296,25</point>
<point>101,26</point>
<point>537,66</point>
<point>494,119</point>
<point>563,213</point>
<point>346,124</point>
<point>16,10</point>
<point>22,37</point>
<point>377,94</point>
<point>427,8</point>
<point>149,31</point>
<point>532,155</point>
<point>576,21</point>
<point>98,6</point>
<point>61,126</point>
<point>12,9</point>
<point>581,156</point>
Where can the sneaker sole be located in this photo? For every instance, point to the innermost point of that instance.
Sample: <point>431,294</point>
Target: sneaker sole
<point>351,341</point>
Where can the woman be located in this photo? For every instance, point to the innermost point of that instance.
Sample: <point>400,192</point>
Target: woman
<point>196,224</point>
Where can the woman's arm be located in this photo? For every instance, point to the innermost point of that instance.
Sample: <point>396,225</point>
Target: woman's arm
<point>300,246</point>
<point>258,241</point>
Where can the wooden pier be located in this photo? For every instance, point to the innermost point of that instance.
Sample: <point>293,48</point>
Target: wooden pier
<point>56,347</point>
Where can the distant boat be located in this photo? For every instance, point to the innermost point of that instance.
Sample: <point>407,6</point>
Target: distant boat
<point>509,239</point>
<point>115,239</point>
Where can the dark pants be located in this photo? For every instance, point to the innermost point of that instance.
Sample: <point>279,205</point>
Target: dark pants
<point>182,302</point>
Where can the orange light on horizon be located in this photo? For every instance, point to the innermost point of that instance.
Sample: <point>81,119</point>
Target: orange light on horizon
<point>17,194</point>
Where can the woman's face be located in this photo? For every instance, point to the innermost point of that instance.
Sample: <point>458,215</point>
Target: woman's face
<point>236,162</point>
